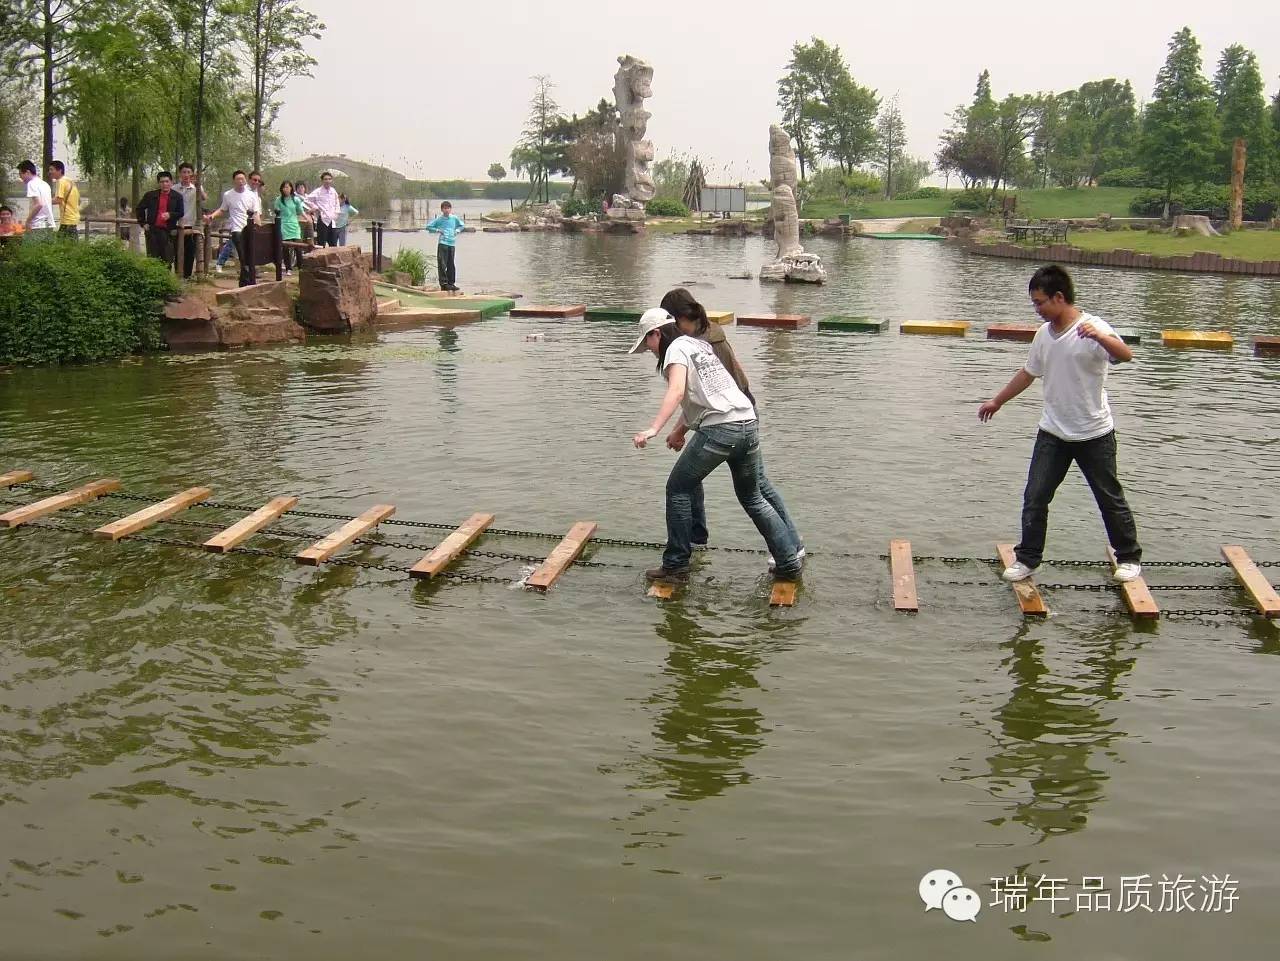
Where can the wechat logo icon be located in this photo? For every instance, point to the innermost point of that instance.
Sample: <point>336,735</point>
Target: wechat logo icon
<point>944,890</point>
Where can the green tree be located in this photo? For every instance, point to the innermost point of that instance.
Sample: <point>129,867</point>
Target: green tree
<point>891,137</point>
<point>272,34</point>
<point>1242,112</point>
<point>45,41</point>
<point>19,126</point>
<point>1016,119</point>
<point>1047,137</point>
<point>1099,130</point>
<point>846,123</point>
<point>824,110</point>
<point>497,172</point>
<point>1180,126</point>
<point>536,153</point>
<point>969,145</point>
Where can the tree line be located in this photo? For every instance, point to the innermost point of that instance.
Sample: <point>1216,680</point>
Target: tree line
<point>146,84</point>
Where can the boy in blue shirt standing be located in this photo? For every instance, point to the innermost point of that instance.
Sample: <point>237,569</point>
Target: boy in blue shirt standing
<point>448,227</point>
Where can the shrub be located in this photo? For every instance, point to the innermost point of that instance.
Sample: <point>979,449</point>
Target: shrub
<point>411,261</point>
<point>1125,177</point>
<point>666,207</point>
<point>63,302</point>
<point>921,193</point>
<point>1260,201</point>
<point>971,200</point>
<point>578,207</point>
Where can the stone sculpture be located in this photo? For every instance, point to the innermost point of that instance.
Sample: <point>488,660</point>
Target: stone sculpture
<point>632,86</point>
<point>792,262</point>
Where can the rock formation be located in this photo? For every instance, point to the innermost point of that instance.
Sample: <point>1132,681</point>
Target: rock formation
<point>632,86</point>
<point>792,263</point>
<point>335,292</point>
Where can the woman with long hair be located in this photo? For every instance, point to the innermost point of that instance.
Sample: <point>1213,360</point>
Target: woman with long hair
<point>724,421</point>
<point>290,211</point>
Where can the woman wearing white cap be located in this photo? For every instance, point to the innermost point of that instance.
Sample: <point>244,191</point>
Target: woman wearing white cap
<point>726,430</point>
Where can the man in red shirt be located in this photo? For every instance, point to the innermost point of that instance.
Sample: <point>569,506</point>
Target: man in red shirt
<point>159,212</point>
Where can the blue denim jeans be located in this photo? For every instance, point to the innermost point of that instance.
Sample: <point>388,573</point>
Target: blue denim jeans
<point>701,534</point>
<point>1050,462</point>
<point>709,447</point>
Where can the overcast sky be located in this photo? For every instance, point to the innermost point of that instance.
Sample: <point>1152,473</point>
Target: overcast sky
<point>441,90</point>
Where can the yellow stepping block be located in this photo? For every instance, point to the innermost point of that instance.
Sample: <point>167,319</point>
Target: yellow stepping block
<point>722,317</point>
<point>943,328</point>
<point>1197,338</point>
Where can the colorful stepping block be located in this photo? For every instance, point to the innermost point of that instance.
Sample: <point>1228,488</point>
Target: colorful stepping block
<point>1022,332</point>
<point>722,317</point>
<point>776,321</point>
<point>613,313</point>
<point>1266,346</point>
<point>943,328</point>
<point>1219,339</point>
<point>571,310</point>
<point>1128,335</point>
<point>866,325</point>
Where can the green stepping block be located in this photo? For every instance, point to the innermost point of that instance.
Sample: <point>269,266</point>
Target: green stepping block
<point>868,325</point>
<point>1128,335</point>
<point>488,306</point>
<point>613,313</point>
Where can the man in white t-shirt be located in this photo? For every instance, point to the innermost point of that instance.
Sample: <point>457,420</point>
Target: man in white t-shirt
<point>40,223</point>
<point>1072,353</point>
<point>242,208</point>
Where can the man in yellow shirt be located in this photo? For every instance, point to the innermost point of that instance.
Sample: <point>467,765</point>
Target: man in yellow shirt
<point>66,197</point>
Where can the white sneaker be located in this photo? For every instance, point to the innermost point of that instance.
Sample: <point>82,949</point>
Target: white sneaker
<point>773,563</point>
<point>218,268</point>
<point>1127,572</point>
<point>1017,571</point>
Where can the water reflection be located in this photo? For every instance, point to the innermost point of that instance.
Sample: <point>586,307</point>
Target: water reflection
<point>1049,735</point>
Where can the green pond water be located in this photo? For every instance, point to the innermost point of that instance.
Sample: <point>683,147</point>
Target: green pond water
<point>239,757</point>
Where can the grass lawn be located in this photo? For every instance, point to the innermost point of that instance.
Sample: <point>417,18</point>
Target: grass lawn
<point>1053,203</point>
<point>1243,244</point>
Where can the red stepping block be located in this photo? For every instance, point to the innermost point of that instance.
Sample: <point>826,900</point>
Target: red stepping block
<point>1266,346</point>
<point>1024,332</point>
<point>780,321</point>
<point>572,310</point>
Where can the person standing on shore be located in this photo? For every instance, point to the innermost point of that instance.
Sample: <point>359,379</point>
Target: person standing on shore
<point>242,208</point>
<point>323,201</point>
<point>193,196</point>
<point>66,197</point>
<point>39,226</point>
<point>1072,352</point>
<point>289,209</point>
<point>10,229</point>
<point>725,425</point>
<point>448,227</point>
<point>345,212</point>
<point>159,212</point>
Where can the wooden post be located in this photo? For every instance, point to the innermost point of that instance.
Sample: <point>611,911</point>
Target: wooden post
<point>277,248</point>
<point>323,549</point>
<point>151,515</point>
<point>207,234</point>
<point>15,477</point>
<point>1237,183</point>
<point>1029,600</point>
<point>180,252</point>
<point>564,554</point>
<point>50,505</point>
<point>448,549</point>
<point>242,530</point>
<point>904,577</point>
<point>1263,594</point>
<point>1136,596</point>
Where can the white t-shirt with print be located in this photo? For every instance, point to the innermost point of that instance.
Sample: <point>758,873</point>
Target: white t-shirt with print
<point>239,205</point>
<point>710,397</point>
<point>1074,370</point>
<point>38,190</point>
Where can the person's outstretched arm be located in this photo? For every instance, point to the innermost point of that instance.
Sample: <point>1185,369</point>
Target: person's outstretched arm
<point>1017,384</point>
<point>677,377</point>
<point>1116,348</point>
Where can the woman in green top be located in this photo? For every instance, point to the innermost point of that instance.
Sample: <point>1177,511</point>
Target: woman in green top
<point>289,211</point>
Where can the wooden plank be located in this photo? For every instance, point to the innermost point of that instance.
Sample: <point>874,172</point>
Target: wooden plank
<point>903,572</point>
<point>783,594</point>
<point>779,321</point>
<point>663,590</point>
<point>51,505</point>
<point>1266,346</point>
<point>323,549</point>
<point>15,477</point>
<point>1263,594</point>
<point>533,310</point>
<point>944,328</point>
<point>1197,338</point>
<point>722,317</point>
<point>564,554</point>
<point>448,549</point>
<point>1129,335</point>
<point>144,518</point>
<point>1029,600</point>
<point>1136,595</point>
<point>1020,332</point>
<point>242,530</point>
<point>865,325</point>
